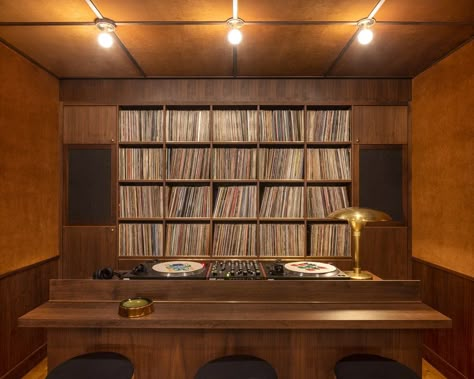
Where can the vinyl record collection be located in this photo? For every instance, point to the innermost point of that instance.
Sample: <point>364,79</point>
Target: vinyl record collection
<point>216,179</point>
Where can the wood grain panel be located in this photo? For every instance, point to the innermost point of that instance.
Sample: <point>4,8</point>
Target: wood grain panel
<point>450,350</point>
<point>412,51</point>
<point>46,11</point>
<point>178,354</point>
<point>237,91</point>
<point>442,164</point>
<point>70,51</point>
<point>427,10</point>
<point>90,124</point>
<point>87,249</point>
<point>384,251</point>
<point>151,10</point>
<point>304,10</point>
<point>285,291</point>
<point>29,163</point>
<point>311,52</point>
<point>21,291</point>
<point>380,124</point>
<point>192,50</point>
<point>237,315</point>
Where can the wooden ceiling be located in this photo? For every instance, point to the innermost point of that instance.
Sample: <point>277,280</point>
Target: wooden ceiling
<point>282,38</point>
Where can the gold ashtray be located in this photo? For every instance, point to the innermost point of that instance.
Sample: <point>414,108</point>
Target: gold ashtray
<point>135,307</point>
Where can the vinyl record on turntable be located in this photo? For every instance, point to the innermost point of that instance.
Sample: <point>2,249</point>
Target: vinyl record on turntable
<point>178,268</point>
<point>307,268</point>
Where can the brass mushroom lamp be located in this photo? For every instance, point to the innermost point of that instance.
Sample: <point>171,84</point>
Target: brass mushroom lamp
<point>357,218</point>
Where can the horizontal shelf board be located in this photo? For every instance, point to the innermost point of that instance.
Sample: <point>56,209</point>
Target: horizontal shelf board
<point>282,143</point>
<point>325,220</point>
<point>236,181</point>
<point>158,144</point>
<point>144,219</point>
<point>281,180</point>
<point>282,219</point>
<point>235,143</point>
<point>189,181</point>
<point>187,219</point>
<point>236,219</point>
<point>138,181</point>
<point>329,181</point>
<point>329,143</point>
<point>188,143</point>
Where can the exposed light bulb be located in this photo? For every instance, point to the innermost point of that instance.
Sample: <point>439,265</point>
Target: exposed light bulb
<point>234,36</point>
<point>105,40</point>
<point>365,36</point>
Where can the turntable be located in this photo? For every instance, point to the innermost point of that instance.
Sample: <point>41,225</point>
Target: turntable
<point>168,270</point>
<point>302,270</point>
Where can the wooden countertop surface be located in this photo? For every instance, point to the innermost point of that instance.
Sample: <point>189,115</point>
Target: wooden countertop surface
<point>238,315</point>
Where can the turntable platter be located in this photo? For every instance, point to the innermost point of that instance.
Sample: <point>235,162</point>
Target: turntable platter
<point>178,268</point>
<point>306,268</point>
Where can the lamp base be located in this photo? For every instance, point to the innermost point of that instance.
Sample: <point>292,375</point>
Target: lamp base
<point>358,275</point>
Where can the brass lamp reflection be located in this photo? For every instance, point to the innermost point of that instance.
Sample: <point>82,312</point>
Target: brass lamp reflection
<point>357,218</point>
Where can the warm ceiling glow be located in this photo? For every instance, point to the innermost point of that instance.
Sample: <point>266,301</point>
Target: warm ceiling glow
<point>234,36</point>
<point>105,40</point>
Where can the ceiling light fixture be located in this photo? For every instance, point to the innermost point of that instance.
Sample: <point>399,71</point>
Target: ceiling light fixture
<point>107,28</point>
<point>365,35</point>
<point>235,23</point>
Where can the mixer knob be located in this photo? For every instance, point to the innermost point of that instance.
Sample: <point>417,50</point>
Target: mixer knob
<point>278,268</point>
<point>232,273</point>
<point>245,273</point>
<point>257,272</point>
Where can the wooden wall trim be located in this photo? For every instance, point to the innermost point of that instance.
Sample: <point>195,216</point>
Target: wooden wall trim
<point>436,361</point>
<point>22,291</point>
<point>438,267</point>
<point>29,267</point>
<point>449,350</point>
<point>236,91</point>
<point>27,364</point>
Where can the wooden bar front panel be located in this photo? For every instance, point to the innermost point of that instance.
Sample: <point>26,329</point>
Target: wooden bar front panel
<point>178,354</point>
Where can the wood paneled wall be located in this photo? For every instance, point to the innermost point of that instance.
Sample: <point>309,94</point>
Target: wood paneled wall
<point>21,291</point>
<point>29,163</point>
<point>451,351</point>
<point>443,164</point>
<point>237,91</point>
<point>29,204</point>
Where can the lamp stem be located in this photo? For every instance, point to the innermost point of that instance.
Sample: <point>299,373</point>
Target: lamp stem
<point>356,238</point>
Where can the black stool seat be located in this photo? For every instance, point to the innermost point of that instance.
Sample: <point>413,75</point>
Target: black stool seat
<point>368,366</point>
<point>99,365</point>
<point>237,367</point>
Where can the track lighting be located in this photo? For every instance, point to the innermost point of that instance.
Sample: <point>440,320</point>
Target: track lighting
<point>235,23</point>
<point>107,27</point>
<point>365,35</point>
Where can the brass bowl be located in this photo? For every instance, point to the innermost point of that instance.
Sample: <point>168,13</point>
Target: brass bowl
<point>135,307</point>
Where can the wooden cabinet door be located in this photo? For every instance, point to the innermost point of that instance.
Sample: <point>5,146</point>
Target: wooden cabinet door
<point>380,124</point>
<point>87,249</point>
<point>89,124</point>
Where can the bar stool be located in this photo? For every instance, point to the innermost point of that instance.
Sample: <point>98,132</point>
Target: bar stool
<point>237,367</point>
<point>99,365</point>
<point>369,366</point>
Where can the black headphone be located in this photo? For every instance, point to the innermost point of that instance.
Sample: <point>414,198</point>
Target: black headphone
<point>106,274</point>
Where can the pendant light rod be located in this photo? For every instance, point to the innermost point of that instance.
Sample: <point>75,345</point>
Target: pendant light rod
<point>235,6</point>
<point>94,8</point>
<point>376,9</point>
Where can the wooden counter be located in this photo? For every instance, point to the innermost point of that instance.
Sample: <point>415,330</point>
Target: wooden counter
<point>300,327</point>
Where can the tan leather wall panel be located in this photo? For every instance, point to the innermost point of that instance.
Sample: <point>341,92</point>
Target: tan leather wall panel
<point>443,164</point>
<point>29,163</point>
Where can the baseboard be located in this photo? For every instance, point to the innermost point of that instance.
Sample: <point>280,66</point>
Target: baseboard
<point>441,365</point>
<point>26,364</point>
